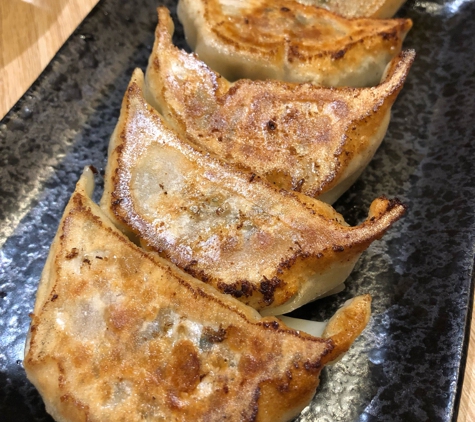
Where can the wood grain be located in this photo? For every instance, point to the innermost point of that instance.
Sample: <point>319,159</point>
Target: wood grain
<point>467,400</point>
<point>31,32</point>
<point>45,25</point>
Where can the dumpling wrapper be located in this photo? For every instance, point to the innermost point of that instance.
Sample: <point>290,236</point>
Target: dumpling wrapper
<point>289,41</point>
<point>298,136</point>
<point>120,335</point>
<point>381,9</point>
<point>272,249</point>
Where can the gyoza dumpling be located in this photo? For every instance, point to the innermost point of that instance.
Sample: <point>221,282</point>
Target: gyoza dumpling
<point>120,335</point>
<point>274,250</point>
<point>298,136</point>
<point>289,41</point>
<point>359,8</point>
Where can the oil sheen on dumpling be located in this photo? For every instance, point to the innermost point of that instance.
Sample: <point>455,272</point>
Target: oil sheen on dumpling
<point>300,137</point>
<point>120,335</point>
<point>289,41</point>
<point>272,249</point>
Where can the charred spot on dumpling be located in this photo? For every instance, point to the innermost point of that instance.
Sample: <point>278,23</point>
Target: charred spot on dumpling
<point>196,272</point>
<point>272,324</point>
<point>241,288</point>
<point>267,288</point>
<point>288,263</point>
<point>73,253</point>
<point>212,336</point>
<point>338,54</point>
<point>271,125</point>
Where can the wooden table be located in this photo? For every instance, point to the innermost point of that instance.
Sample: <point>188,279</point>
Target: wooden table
<point>45,25</point>
<point>467,402</point>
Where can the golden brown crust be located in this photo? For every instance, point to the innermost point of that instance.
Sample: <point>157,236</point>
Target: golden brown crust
<point>298,136</point>
<point>123,335</point>
<point>290,41</point>
<point>243,237</point>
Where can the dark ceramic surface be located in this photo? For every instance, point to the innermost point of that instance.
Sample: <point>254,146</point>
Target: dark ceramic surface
<point>407,365</point>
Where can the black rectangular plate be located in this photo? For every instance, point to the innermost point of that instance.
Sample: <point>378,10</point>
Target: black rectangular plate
<point>407,365</point>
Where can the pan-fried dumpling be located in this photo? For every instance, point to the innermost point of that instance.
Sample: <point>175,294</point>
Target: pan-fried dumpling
<point>289,41</point>
<point>299,136</point>
<point>120,335</point>
<point>274,250</point>
<point>359,8</point>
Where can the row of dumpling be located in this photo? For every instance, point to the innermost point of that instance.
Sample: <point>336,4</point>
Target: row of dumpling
<point>222,181</point>
<point>222,178</point>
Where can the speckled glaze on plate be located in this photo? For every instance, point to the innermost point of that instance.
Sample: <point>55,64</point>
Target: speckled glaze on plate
<point>407,365</point>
